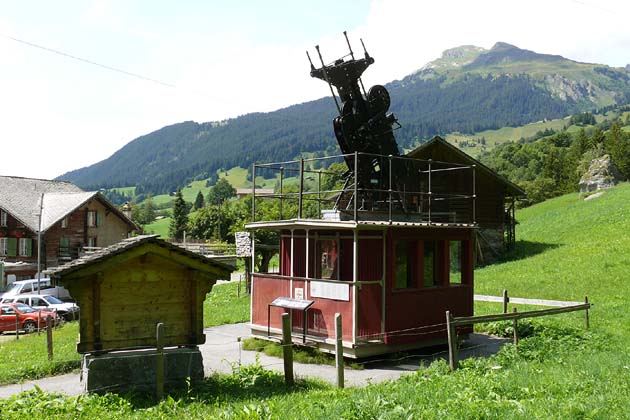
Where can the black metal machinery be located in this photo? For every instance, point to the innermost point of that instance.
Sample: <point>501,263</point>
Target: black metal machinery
<point>363,124</point>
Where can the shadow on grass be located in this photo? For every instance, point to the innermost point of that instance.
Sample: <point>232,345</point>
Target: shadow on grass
<point>525,249</point>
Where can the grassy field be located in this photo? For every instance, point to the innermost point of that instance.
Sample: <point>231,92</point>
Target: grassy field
<point>159,227</point>
<point>567,248</point>
<point>494,137</point>
<point>27,358</point>
<point>224,306</point>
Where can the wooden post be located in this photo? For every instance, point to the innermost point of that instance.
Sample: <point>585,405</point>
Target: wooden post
<point>39,321</point>
<point>515,326</point>
<point>159,361</point>
<point>287,349</point>
<point>339,351</point>
<point>452,341</point>
<point>506,299</point>
<point>17,327</point>
<point>586,316</point>
<point>49,336</point>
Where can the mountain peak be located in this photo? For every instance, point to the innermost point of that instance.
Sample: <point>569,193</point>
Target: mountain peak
<point>504,46</point>
<point>455,57</point>
<point>503,53</point>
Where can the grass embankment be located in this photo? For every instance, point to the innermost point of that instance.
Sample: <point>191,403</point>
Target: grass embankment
<point>27,358</point>
<point>223,306</point>
<point>567,248</point>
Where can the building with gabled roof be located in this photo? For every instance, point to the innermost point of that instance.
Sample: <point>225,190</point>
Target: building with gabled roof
<point>495,197</point>
<point>69,220</point>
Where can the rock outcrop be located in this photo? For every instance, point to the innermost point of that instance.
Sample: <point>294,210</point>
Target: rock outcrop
<point>601,174</point>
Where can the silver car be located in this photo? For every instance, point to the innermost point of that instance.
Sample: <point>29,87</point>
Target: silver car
<point>66,310</point>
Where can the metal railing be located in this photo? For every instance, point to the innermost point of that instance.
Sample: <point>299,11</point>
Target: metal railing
<point>384,188</point>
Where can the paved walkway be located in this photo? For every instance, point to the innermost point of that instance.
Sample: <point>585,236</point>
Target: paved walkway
<point>222,351</point>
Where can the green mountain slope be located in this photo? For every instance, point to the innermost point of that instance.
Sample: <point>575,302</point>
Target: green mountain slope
<point>467,90</point>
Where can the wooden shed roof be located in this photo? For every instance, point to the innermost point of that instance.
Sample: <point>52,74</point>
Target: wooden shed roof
<point>126,245</point>
<point>425,150</point>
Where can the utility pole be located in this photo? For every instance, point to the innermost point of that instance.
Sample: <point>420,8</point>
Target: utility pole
<point>39,244</point>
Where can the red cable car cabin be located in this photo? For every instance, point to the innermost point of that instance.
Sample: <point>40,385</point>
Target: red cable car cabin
<point>391,261</point>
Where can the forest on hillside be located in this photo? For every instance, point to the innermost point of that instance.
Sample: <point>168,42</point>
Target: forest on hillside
<point>547,166</point>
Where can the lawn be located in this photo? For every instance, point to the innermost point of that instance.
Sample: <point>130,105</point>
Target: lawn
<point>567,248</point>
<point>27,357</point>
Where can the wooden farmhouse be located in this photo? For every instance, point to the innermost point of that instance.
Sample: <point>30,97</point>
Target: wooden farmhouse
<point>72,222</point>
<point>391,256</point>
<point>126,289</point>
<point>496,197</point>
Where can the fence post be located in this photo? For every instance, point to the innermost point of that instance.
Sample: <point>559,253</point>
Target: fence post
<point>586,316</point>
<point>339,351</point>
<point>49,336</point>
<point>506,299</point>
<point>515,326</point>
<point>39,321</point>
<point>287,349</point>
<point>17,327</point>
<point>452,341</point>
<point>159,361</point>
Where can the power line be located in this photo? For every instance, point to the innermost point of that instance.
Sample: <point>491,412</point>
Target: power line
<point>84,60</point>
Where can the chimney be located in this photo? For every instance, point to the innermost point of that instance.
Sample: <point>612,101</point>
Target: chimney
<point>126,209</point>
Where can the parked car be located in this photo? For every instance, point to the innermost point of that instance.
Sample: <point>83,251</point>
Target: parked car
<point>27,317</point>
<point>67,310</point>
<point>21,287</point>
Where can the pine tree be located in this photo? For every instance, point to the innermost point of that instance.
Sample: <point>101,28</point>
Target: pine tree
<point>200,202</point>
<point>179,220</point>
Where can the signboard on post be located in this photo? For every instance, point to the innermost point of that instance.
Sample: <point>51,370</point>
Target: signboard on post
<point>243,244</point>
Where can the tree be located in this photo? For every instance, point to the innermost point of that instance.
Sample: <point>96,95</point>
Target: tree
<point>179,221</point>
<point>221,191</point>
<point>147,214</point>
<point>618,145</point>
<point>199,201</point>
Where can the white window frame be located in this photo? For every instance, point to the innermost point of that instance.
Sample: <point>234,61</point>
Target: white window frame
<point>23,247</point>
<point>92,217</point>
<point>64,222</point>
<point>3,218</point>
<point>4,246</point>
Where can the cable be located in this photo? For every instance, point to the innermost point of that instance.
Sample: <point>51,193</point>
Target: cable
<point>84,60</point>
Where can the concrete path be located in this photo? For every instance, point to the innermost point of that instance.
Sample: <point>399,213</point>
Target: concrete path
<point>222,352</point>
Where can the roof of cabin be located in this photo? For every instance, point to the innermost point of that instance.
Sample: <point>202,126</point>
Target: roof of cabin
<point>425,150</point>
<point>126,245</point>
<point>22,198</point>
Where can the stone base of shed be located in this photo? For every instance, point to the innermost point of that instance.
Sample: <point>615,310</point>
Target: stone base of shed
<point>135,370</point>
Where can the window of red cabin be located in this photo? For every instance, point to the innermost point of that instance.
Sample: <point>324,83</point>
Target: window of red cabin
<point>3,218</point>
<point>328,257</point>
<point>403,272</point>
<point>429,259</point>
<point>455,262</point>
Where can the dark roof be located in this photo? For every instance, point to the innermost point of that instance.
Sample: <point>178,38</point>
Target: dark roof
<point>23,197</point>
<point>438,141</point>
<point>126,245</point>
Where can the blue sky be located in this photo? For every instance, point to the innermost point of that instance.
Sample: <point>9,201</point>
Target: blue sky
<point>226,59</point>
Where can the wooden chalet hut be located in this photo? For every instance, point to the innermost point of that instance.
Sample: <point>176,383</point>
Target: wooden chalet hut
<point>495,197</point>
<point>126,289</point>
<point>392,259</point>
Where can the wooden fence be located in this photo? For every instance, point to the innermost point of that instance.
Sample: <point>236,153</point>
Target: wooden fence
<point>562,307</point>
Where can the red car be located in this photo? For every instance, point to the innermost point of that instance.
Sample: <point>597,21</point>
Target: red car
<point>27,317</point>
